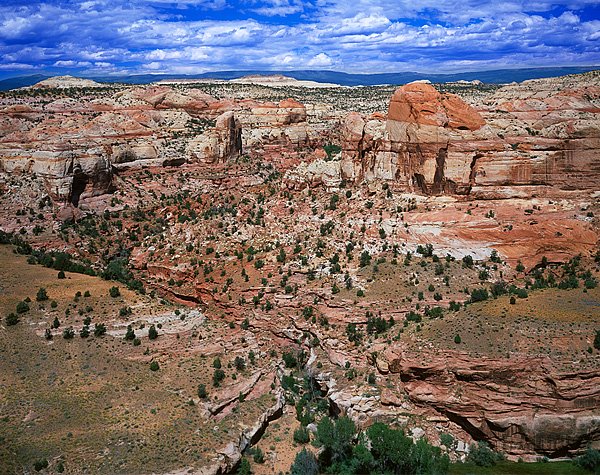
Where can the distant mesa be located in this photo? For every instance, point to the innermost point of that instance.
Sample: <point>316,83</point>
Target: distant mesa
<point>279,80</point>
<point>65,82</point>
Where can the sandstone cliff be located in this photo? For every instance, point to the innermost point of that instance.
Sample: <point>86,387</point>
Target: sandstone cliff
<point>524,139</point>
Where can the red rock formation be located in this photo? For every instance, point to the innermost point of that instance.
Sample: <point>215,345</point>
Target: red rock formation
<point>77,150</point>
<point>521,405</point>
<point>419,103</point>
<point>435,143</point>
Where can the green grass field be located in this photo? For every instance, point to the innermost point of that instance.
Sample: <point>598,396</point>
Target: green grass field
<point>512,468</point>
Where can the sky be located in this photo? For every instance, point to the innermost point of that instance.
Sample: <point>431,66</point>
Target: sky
<point>118,37</point>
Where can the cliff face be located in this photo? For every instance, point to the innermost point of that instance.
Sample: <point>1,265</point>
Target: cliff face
<point>521,405</point>
<point>525,138</point>
<point>76,145</point>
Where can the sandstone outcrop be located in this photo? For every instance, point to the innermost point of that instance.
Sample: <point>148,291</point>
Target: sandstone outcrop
<point>436,143</point>
<point>221,143</point>
<point>77,144</point>
<point>521,405</point>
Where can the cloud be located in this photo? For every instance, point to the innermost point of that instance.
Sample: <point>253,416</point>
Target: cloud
<point>72,64</point>
<point>357,36</point>
<point>320,60</point>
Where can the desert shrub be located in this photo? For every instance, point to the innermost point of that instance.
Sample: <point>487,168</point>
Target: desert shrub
<point>239,363</point>
<point>42,295</point>
<point>117,270</point>
<point>590,460</point>
<point>301,435</point>
<point>40,465</point>
<point>258,456</point>
<point>457,339</point>
<point>467,261</point>
<point>68,333</point>
<point>129,334</point>
<point>590,283</point>
<point>22,307</point>
<point>202,392</point>
<point>425,251</point>
<point>335,438</point>
<point>521,293</point>
<point>290,360</point>
<point>244,468</point>
<point>499,288</point>
<point>154,366</point>
<point>99,329</point>
<point>305,463</point>
<point>413,317</point>
<point>479,295</point>
<point>365,259</point>
<point>447,440</point>
<point>114,292</point>
<point>11,319</point>
<point>597,340</point>
<point>481,454</point>
<point>152,332</point>
<point>218,377</point>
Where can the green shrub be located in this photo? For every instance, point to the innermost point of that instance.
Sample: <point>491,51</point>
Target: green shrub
<point>457,339</point>
<point>68,333</point>
<point>290,360</point>
<point>590,460</point>
<point>447,440</point>
<point>479,295</point>
<point>129,334</point>
<point>258,457</point>
<point>202,393</point>
<point>301,435</point>
<point>481,454</point>
<point>11,319</point>
<point>305,463</point>
<point>154,366</point>
<point>22,307</point>
<point>99,329</point>
<point>40,465</point>
<point>244,468</point>
<point>218,377</point>
<point>41,295</point>
<point>152,332</point>
<point>239,363</point>
<point>114,292</point>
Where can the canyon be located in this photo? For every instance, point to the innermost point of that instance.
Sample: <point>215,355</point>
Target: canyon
<point>429,253</point>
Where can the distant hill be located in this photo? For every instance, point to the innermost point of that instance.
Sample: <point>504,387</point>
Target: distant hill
<point>498,76</point>
<point>21,81</point>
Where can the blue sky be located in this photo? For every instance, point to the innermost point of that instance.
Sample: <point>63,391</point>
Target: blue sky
<point>115,37</point>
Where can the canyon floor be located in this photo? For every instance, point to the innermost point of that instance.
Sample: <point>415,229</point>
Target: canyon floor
<point>282,293</point>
